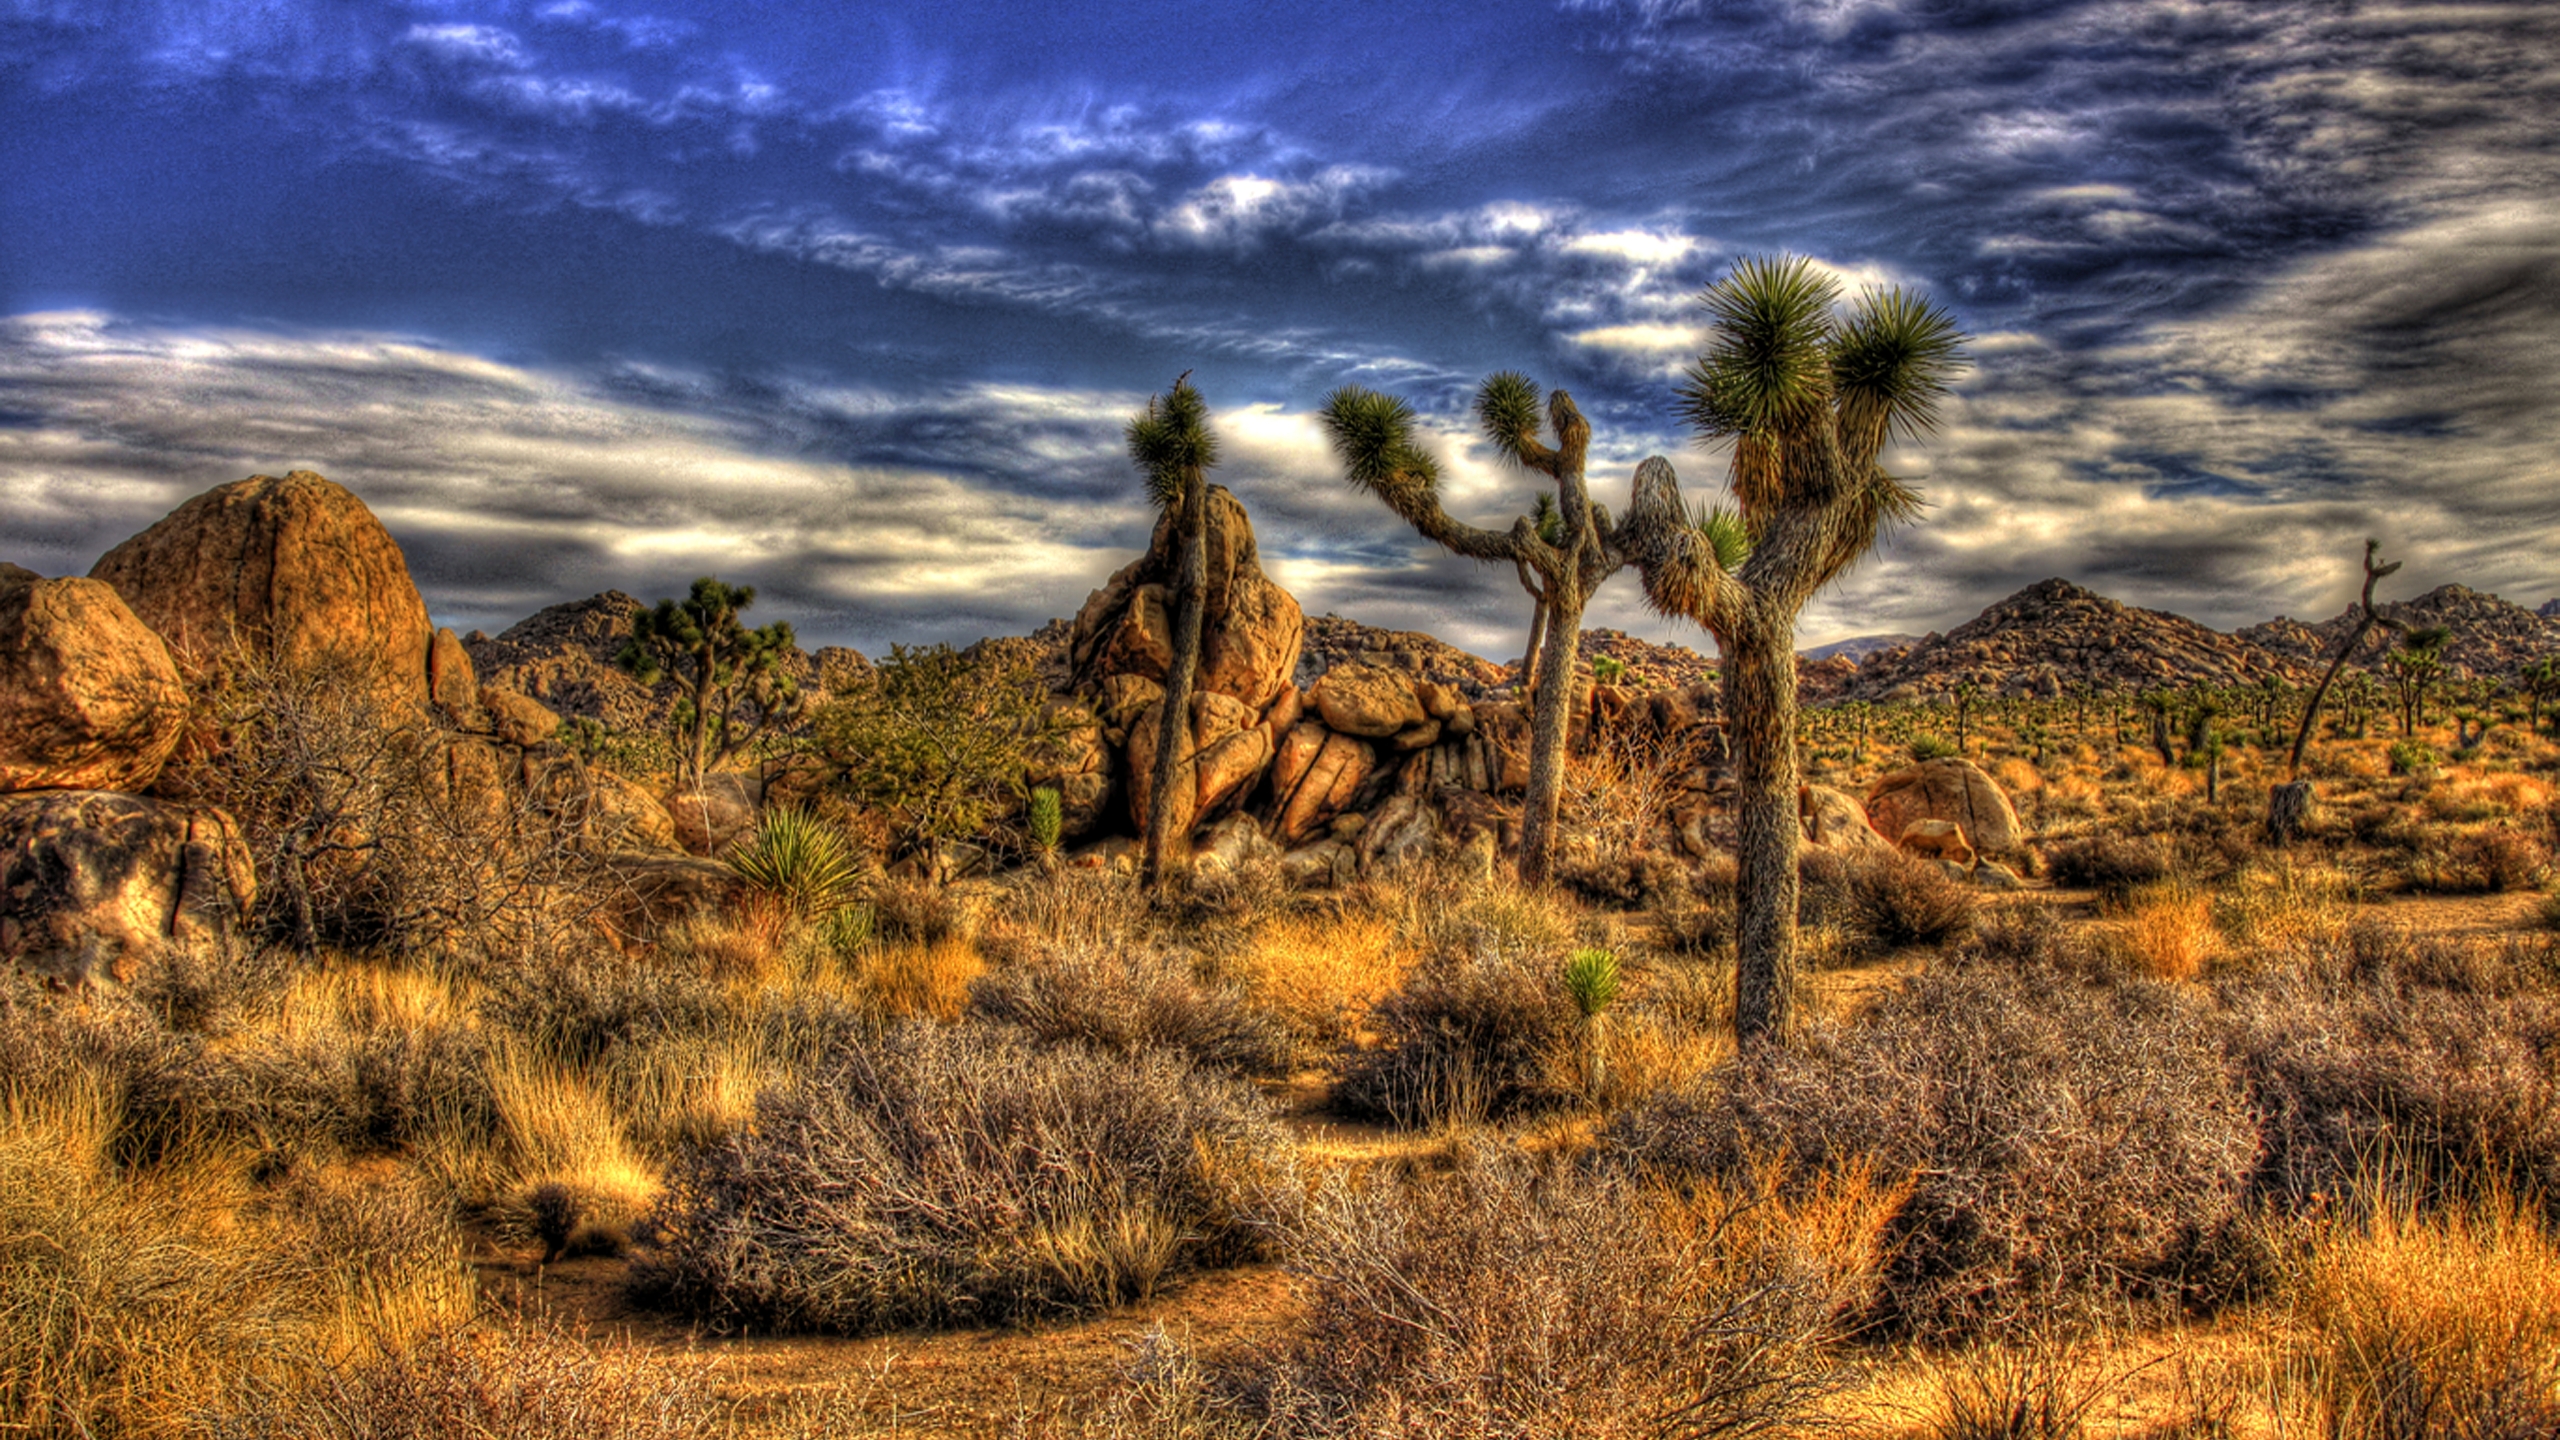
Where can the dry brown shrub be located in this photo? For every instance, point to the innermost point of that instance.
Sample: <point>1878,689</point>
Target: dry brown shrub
<point>2439,1057</point>
<point>943,1175</point>
<point>1898,900</point>
<point>1469,1037</point>
<point>1127,998</point>
<point>2140,1142</point>
<point>1319,974</point>
<point>1514,1299</point>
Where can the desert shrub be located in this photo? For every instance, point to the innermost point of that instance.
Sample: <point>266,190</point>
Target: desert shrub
<point>1470,1036</point>
<point>582,1004</point>
<point>2167,931</point>
<point>920,911</point>
<point>960,1175</point>
<point>797,862</point>
<point>1510,1299</point>
<point>1130,998</point>
<point>134,1303</point>
<point>2069,1142</point>
<point>1897,900</point>
<point>2115,865</point>
<point>1925,748</point>
<point>2408,1324</point>
<point>940,741</point>
<point>2432,1063</point>
<point>2484,862</point>
<point>519,1381</point>
<point>2036,1387</point>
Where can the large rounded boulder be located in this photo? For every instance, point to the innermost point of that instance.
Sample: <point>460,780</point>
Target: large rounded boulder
<point>95,886</point>
<point>89,698</point>
<point>1947,789</point>
<point>295,564</point>
<point>1250,628</point>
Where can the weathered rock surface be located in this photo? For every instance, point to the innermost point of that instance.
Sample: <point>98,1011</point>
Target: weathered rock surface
<point>1940,840</point>
<point>1949,789</point>
<point>89,698</point>
<point>1315,776</point>
<point>2054,635</point>
<point>96,886</point>
<point>1833,820</point>
<point>1250,627</point>
<point>722,808</point>
<point>2490,636</point>
<point>294,563</point>
<point>453,686</point>
<point>1367,700</point>
<point>517,719</point>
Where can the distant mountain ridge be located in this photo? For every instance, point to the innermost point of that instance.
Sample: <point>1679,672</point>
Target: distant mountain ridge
<point>2047,639</point>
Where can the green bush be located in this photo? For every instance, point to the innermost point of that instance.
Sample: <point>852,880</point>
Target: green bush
<point>939,741</point>
<point>2408,757</point>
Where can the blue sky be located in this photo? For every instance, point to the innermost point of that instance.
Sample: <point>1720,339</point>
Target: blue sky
<point>852,305</point>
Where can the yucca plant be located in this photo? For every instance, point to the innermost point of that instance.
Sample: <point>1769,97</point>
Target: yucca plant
<point>1047,823</point>
<point>1591,980</point>
<point>804,865</point>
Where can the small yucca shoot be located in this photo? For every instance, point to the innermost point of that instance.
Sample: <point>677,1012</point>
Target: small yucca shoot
<point>798,859</point>
<point>1591,978</point>
<point>1048,820</point>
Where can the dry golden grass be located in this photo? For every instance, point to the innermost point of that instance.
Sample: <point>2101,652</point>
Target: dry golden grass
<point>1320,974</point>
<point>905,980</point>
<point>2284,905</point>
<point>2429,1324</point>
<point>136,1304</point>
<point>2167,931</point>
<point>560,1130</point>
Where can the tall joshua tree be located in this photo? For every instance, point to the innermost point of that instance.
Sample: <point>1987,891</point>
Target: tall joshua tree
<point>1808,393</point>
<point>1173,448</point>
<point>1372,434</point>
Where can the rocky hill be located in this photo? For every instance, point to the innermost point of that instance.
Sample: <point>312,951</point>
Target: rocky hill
<point>2054,635</point>
<point>563,657</point>
<point>2550,610</point>
<point>1330,640</point>
<point>2490,636</point>
<point>1859,649</point>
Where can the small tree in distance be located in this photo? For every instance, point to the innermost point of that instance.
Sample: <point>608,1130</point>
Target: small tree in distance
<point>734,690</point>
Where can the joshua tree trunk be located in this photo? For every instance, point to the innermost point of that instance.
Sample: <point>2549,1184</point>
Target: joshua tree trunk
<point>1537,628</point>
<point>2288,803</point>
<point>1760,706</point>
<point>1168,852</point>
<point>1550,725</point>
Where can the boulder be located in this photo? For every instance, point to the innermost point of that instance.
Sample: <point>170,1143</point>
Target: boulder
<point>709,816</point>
<point>1370,701</point>
<point>1320,865</point>
<point>297,565</point>
<point>655,890</point>
<point>1948,789</point>
<point>453,685</point>
<point>1250,627</point>
<point>1314,778</point>
<point>89,698</point>
<point>1940,840</point>
<point>95,886</point>
<point>1232,846</point>
<point>1400,832</point>
<point>619,815</point>
<point>1833,821</point>
<point>517,719</point>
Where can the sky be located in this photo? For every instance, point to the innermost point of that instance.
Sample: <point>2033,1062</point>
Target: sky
<point>851,302</point>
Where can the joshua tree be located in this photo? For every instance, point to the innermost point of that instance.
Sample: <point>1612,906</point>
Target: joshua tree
<point>2540,682</point>
<point>734,690</point>
<point>1174,448</point>
<point>1808,395</point>
<point>1373,436</point>
<point>1550,526</point>
<point>2416,666</point>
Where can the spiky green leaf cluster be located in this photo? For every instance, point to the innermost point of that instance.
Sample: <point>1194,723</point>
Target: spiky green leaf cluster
<point>1787,358</point>
<point>1372,434</point>
<point>1725,533</point>
<point>1508,409</point>
<point>805,862</point>
<point>1172,441</point>
<point>1591,979</point>
<point>1547,518</point>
